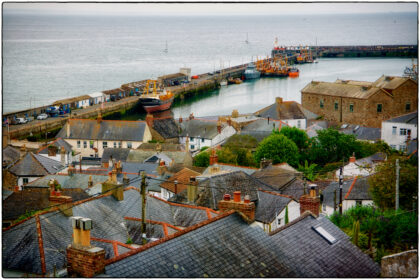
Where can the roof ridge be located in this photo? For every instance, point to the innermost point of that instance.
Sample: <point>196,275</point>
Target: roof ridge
<point>351,188</point>
<point>295,221</point>
<point>169,237</point>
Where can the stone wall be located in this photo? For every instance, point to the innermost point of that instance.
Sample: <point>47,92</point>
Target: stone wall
<point>403,264</point>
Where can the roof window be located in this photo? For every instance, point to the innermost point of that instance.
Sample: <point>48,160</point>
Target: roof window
<point>325,234</point>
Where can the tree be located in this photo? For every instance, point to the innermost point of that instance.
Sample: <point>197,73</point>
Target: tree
<point>297,135</point>
<point>202,159</point>
<point>278,148</point>
<point>382,184</point>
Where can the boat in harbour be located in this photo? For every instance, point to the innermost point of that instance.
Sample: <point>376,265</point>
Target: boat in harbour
<point>251,72</point>
<point>154,101</point>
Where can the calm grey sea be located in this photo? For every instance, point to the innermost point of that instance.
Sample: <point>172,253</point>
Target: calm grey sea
<point>46,58</point>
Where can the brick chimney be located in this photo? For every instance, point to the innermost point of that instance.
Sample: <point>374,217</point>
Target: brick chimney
<point>265,163</point>
<point>149,120</point>
<point>219,127</point>
<point>192,190</point>
<point>83,259</point>
<point>213,157</point>
<point>99,118</point>
<point>279,100</point>
<point>352,159</point>
<point>310,202</point>
<point>246,207</point>
<point>63,155</point>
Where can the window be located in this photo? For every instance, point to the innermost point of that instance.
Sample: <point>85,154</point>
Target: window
<point>403,131</point>
<point>351,107</point>
<point>91,144</point>
<point>336,106</point>
<point>321,103</point>
<point>25,180</point>
<point>379,108</point>
<point>394,130</point>
<point>84,144</point>
<point>104,144</point>
<point>119,144</point>
<point>298,125</point>
<point>115,145</point>
<point>407,107</point>
<point>129,145</point>
<point>78,144</point>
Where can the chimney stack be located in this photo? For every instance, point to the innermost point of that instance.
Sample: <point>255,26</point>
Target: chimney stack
<point>83,259</point>
<point>149,120</point>
<point>99,118</point>
<point>213,157</point>
<point>245,207</point>
<point>310,202</point>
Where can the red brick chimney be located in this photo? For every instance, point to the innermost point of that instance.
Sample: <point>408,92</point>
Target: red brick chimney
<point>310,202</point>
<point>246,207</point>
<point>213,157</point>
<point>149,120</point>
<point>83,259</point>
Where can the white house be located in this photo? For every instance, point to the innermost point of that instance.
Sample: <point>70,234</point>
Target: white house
<point>361,167</point>
<point>91,137</point>
<point>197,133</point>
<point>270,213</point>
<point>290,112</point>
<point>355,192</point>
<point>96,98</point>
<point>398,132</point>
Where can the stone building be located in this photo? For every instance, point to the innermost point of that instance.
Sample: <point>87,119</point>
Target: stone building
<point>362,103</point>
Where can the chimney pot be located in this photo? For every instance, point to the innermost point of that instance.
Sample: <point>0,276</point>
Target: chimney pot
<point>226,197</point>
<point>237,196</point>
<point>247,199</point>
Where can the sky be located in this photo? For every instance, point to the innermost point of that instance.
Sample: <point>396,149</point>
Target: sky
<point>179,9</point>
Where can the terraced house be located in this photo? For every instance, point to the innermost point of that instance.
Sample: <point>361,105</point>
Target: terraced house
<point>361,103</point>
<point>91,137</point>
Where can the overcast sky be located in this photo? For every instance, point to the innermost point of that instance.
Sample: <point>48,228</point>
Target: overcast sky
<point>207,9</point>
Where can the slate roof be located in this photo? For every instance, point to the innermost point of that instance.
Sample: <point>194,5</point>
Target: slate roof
<point>275,176</point>
<point>316,257</point>
<point>19,203</point>
<point>362,133</point>
<point>215,187</point>
<point>343,90</point>
<point>10,156</point>
<point>229,168</point>
<point>57,143</point>
<point>411,118</point>
<point>20,243</point>
<point>198,128</point>
<point>36,165</point>
<point>286,110</point>
<point>116,154</point>
<point>105,130</point>
<point>166,127</point>
<point>269,206</point>
<point>183,179</point>
<point>352,190</point>
<point>76,181</point>
<point>221,248</point>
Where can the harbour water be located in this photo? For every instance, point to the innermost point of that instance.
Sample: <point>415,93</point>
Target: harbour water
<point>46,58</point>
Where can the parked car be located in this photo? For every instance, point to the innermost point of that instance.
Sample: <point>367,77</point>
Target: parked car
<point>21,120</point>
<point>42,116</point>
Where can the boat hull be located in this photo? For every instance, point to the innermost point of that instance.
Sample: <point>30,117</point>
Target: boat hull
<point>155,105</point>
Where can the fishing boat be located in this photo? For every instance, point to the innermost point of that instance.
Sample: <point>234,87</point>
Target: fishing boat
<point>154,101</point>
<point>251,72</point>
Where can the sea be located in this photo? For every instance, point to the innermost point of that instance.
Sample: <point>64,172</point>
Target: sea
<point>49,57</point>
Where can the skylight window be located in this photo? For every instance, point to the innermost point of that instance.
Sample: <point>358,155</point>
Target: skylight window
<point>325,234</point>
